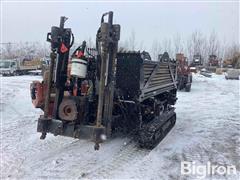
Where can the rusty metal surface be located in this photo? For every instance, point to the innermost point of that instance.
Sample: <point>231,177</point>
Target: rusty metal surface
<point>68,110</point>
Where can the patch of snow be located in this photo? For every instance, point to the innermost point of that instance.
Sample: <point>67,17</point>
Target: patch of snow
<point>207,129</point>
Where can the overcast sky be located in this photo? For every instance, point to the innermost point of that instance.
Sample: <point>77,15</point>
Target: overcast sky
<point>31,21</point>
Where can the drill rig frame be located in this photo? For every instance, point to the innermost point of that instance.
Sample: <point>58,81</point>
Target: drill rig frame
<point>91,96</point>
<point>107,39</point>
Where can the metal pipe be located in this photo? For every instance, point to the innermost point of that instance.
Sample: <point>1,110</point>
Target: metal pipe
<point>62,21</point>
<point>126,101</point>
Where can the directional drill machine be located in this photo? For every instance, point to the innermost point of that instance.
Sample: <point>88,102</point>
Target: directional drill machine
<point>96,92</point>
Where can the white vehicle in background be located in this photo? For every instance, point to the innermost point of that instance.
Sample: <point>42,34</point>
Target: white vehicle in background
<point>8,67</point>
<point>13,67</point>
<point>232,74</point>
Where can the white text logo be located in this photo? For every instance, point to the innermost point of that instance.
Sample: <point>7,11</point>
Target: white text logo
<point>201,171</point>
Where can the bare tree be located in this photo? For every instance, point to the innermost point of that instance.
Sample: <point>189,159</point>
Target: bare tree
<point>204,50</point>
<point>30,50</point>
<point>167,47</point>
<point>196,44</point>
<point>141,46</point>
<point>189,49</point>
<point>7,50</point>
<point>197,39</point>
<point>232,50</point>
<point>156,49</point>
<point>132,41</point>
<point>214,44</point>
<point>178,44</point>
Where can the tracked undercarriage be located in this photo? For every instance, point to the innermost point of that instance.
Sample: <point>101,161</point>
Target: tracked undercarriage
<point>151,86</point>
<point>101,91</point>
<point>153,132</point>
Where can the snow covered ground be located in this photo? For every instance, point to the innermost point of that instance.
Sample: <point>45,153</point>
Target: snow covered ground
<point>207,129</point>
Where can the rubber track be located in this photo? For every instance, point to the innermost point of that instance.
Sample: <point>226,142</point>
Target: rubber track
<point>153,132</point>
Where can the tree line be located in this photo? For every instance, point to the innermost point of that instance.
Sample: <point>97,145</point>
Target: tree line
<point>27,50</point>
<point>196,43</point>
